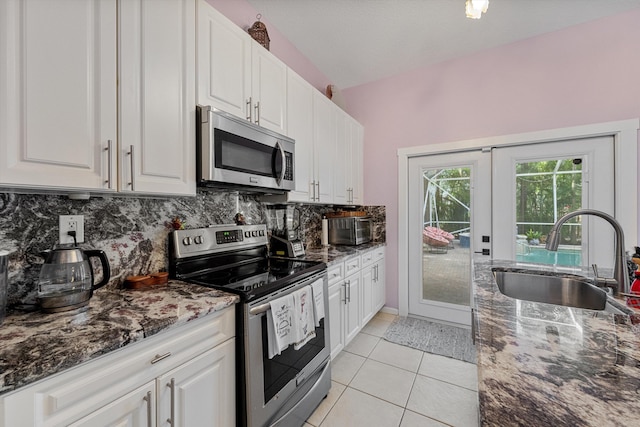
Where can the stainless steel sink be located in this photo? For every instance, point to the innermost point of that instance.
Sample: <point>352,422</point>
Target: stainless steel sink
<point>569,291</point>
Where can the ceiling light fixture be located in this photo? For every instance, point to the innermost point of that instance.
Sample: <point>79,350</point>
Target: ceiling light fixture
<point>475,8</point>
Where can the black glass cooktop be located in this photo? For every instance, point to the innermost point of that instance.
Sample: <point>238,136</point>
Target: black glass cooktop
<point>259,277</point>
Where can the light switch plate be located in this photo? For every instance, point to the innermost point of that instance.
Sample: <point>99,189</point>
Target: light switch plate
<point>71,222</point>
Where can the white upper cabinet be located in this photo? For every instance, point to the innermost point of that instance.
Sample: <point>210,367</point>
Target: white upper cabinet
<point>355,162</point>
<point>157,96</point>
<point>341,166</point>
<point>224,63</point>
<point>268,89</point>
<point>66,125</point>
<point>236,74</point>
<point>324,140</point>
<point>58,94</point>
<point>300,125</point>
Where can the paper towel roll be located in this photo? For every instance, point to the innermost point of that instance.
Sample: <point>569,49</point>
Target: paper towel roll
<point>325,232</point>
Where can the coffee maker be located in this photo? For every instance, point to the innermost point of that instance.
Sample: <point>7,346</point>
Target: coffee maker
<point>284,223</point>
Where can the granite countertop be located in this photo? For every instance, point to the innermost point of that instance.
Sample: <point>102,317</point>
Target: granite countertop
<point>542,364</point>
<point>336,253</point>
<point>35,345</point>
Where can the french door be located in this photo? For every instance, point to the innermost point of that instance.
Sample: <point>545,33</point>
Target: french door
<point>534,185</point>
<point>501,203</point>
<point>449,220</point>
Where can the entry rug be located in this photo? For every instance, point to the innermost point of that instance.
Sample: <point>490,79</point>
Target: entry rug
<point>436,338</point>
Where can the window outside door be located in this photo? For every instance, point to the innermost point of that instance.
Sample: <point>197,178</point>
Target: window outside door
<point>449,204</point>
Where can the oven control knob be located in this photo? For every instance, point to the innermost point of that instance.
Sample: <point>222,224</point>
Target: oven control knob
<point>261,233</point>
<point>187,241</point>
<point>198,240</point>
<point>254,233</point>
<point>247,234</point>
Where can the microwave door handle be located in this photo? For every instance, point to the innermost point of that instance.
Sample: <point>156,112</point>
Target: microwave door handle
<point>282,161</point>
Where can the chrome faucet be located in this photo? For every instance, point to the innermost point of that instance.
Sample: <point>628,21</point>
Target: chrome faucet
<point>620,275</point>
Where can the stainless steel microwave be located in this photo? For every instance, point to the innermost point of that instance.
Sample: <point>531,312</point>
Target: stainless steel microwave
<point>232,152</point>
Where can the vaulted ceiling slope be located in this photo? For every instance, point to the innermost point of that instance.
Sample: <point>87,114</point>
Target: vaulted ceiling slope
<point>359,41</point>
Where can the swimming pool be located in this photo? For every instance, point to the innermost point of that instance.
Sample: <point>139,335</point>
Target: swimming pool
<point>560,257</point>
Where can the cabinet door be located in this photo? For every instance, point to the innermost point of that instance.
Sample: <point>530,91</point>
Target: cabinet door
<point>224,63</point>
<point>355,174</point>
<point>134,409</point>
<point>324,141</point>
<point>379,286</point>
<point>300,128</point>
<point>336,318</point>
<point>268,89</point>
<point>157,96</point>
<point>58,103</point>
<point>353,318</point>
<point>201,392</point>
<point>341,164</point>
<point>368,277</point>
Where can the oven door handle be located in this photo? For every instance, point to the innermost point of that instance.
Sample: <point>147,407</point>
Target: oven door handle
<point>260,309</point>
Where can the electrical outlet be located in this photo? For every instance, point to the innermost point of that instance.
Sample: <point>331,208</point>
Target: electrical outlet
<point>71,223</point>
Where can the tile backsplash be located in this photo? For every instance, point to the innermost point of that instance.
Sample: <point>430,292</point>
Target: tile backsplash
<point>132,231</point>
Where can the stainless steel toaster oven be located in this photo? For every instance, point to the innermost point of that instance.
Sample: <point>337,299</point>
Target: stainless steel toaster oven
<point>350,230</point>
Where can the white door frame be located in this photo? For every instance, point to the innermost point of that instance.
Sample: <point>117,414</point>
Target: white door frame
<point>625,135</point>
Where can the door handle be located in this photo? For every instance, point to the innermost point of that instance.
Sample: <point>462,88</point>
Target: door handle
<point>483,252</point>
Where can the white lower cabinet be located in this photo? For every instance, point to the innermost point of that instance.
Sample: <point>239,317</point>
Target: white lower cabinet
<point>195,394</point>
<point>131,410</point>
<point>182,377</point>
<point>344,303</point>
<point>356,294</point>
<point>373,284</point>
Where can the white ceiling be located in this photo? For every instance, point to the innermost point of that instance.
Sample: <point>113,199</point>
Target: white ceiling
<point>358,41</point>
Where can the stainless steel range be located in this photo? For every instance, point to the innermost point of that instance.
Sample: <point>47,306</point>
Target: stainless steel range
<point>283,390</point>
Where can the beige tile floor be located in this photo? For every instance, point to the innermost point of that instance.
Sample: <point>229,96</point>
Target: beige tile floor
<point>378,383</point>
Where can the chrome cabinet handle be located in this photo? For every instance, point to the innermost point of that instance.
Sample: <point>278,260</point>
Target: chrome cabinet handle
<point>172,386</point>
<point>108,150</point>
<point>147,399</point>
<point>248,105</point>
<point>160,357</point>
<point>344,286</point>
<point>318,197</point>
<point>256,109</point>
<point>348,288</point>
<point>132,162</point>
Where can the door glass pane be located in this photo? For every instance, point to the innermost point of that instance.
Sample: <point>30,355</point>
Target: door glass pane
<point>446,235</point>
<point>545,191</point>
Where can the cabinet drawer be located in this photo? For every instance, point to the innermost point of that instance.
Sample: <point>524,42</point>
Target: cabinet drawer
<point>69,395</point>
<point>352,265</point>
<point>372,256</point>
<point>378,253</point>
<point>335,273</point>
<point>368,258</point>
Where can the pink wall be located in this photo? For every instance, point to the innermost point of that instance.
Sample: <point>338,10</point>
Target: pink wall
<point>586,74</point>
<point>244,15</point>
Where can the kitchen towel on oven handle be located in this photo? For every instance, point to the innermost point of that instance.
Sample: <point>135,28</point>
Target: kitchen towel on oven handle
<point>318,300</point>
<point>280,327</point>
<point>304,318</point>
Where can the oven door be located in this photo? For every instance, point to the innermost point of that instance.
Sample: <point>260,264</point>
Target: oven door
<point>295,380</point>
